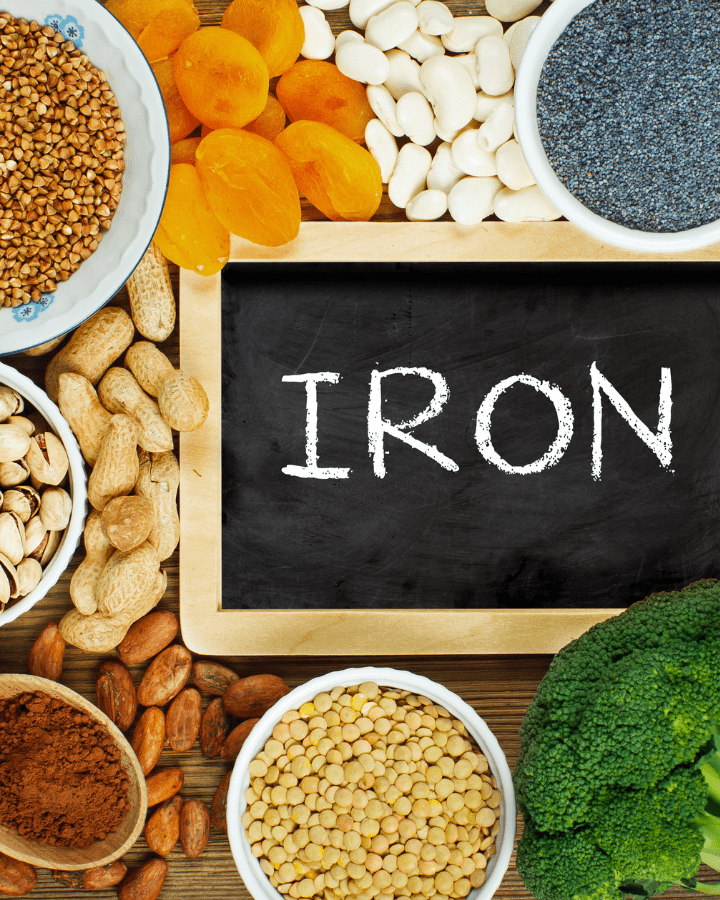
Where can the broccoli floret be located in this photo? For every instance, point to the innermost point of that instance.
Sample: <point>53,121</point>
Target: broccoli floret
<point>618,753</point>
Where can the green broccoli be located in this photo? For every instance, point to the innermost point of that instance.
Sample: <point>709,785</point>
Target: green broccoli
<point>619,773</point>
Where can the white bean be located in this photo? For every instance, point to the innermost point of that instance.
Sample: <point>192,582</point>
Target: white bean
<point>408,179</point>
<point>512,169</point>
<point>435,18</point>
<point>449,134</point>
<point>346,37</point>
<point>427,206</point>
<point>383,146</point>
<point>444,174</point>
<point>449,88</point>
<point>329,4</point>
<point>495,70</point>
<point>360,11</point>
<point>392,26</point>
<point>519,39</point>
<point>382,104</point>
<point>497,128</point>
<point>469,62</point>
<point>470,157</point>
<point>511,10</point>
<point>486,104</point>
<point>471,200</point>
<point>469,30</point>
<point>404,74</point>
<point>526,205</point>
<point>507,37</point>
<point>415,117</point>
<point>362,62</point>
<point>319,39</point>
<point>422,46</point>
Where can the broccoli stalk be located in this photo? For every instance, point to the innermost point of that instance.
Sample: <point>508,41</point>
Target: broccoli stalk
<point>708,824</point>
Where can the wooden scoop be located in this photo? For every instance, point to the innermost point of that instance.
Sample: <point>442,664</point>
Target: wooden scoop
<point>114,845</point>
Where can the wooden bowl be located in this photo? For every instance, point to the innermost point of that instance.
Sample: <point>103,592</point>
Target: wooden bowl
<point>114,845</point>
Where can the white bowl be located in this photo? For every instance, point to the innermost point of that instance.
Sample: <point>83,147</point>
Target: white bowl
<point>249,867</point>
<point>147,158</point>
<point>78,490</point>
<point>547,31</point>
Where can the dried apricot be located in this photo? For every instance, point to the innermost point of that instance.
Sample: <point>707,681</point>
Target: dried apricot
<point>189,233</point>
<point>271,120</point>
<point>180,120</point>
<point>275,27</point>
<point>159,26</point>
<point>221,77</point>
<point>249,186</point>
<point>184,151</point>
<point>336,175</point>
<point>317,90</point>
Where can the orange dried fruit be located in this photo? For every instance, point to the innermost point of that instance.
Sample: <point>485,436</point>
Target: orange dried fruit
<point>159,26</point>
<point>180,120</point>
<point>184,151</point>
<point>249,186</point>
<point>222,78</point>
<point>189,233</point>
<point>337,176</point>
<point>317,90</point>
<point>275,27</point>
<point>271,120</point>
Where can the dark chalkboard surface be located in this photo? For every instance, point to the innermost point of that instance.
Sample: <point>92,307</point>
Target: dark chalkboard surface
<point>424,535</point>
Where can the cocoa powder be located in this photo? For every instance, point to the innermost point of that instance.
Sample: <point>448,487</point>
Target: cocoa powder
<point>61,775</point>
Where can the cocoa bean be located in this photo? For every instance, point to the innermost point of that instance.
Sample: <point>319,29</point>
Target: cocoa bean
<point>148,636</point>
<point>148,738</point>
<point>250,697</point>
<point>213,729</point>
<point>144,883</point>
<point>162,829</point>
<point>163,784</point>
<point>194,828</point>
<point>47,653</point>
<point>183,719</point>
<point>166,676</point>
<point>237,737</point>
<point>116,694</point>
<point>212,677</point>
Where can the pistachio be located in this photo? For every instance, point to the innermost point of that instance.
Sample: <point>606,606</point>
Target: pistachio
<point>50,545</point>
<point>12,537</point>
<point>9,572</point>
<point>55,508</point>
<point>22,422</point>
<point>10,402</point>
<point>35,534</point>
<point>46,457</point>
<point>4,589</point>
<point>23,500</point>
<point>13,473</point>
<point>29,573</point>
<point>14,443</point>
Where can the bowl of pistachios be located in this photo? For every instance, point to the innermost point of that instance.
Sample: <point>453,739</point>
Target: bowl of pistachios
<point>43,494</point>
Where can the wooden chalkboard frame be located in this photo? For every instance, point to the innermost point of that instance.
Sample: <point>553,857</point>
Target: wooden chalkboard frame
<point>206,626</point>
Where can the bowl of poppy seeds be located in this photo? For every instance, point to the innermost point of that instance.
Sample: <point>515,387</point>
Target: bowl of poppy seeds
<point>617,107</point>
<point>72,793</point>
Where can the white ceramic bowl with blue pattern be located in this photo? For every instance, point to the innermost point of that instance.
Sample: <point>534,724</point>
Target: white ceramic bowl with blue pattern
<point>147,163</point>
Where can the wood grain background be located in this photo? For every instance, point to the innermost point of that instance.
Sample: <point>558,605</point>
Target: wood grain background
<point>499,688</point>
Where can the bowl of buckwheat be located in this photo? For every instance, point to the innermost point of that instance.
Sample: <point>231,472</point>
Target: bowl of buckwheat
<point>371,782</point>
<point>84,162</point>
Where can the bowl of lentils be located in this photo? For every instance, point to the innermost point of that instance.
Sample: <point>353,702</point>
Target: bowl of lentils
<point>371,782</point>
<point>617,107</point>
<point>84,162</point>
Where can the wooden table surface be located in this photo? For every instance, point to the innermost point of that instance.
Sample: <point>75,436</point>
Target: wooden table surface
<point>499,688</point>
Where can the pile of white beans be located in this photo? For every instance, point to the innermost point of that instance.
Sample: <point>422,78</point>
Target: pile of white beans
<point>445,84</point>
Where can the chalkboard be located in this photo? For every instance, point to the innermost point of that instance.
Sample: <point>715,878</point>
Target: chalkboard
<point>614,513</point>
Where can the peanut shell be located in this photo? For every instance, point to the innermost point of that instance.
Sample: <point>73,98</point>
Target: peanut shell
<point>183,402</point>
<point>149,365</point>
<point>127,580</point>
<point>87,417</point>
<point>127,521</point>
<point>119,392</point>
<point>95,633</point>
<point>158,481</point>
<point>117,466</point>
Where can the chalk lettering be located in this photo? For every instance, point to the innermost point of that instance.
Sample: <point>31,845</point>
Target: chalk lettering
<point>557,448</point>
<point>311,469</point>
<point>660,443</point>
<point>378,427</point>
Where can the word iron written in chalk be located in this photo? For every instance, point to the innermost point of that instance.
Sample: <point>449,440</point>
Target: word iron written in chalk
<point>379,428</point>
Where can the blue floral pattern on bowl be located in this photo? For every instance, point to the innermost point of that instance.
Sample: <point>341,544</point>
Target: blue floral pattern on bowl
<point>30,311</point>
<point>68,27</point>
